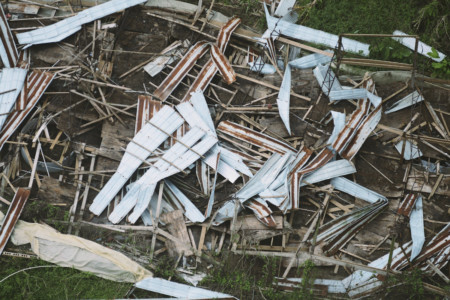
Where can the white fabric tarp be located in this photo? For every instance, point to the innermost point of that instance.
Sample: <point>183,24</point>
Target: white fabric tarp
<point>72,251</point>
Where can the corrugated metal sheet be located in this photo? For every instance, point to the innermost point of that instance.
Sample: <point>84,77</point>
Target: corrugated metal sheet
<point>356,190</point>
<point>407,204</point>
<point>168,56</point>
<point>339,124</point>
<point>146,109</point>
<point>182,68</point>
<point>62,29</point>
<point>338,232</point>
<point>8,50</point>
<point>284,7</point>
<point>284,98</point>
<point>310,61</point>
<point>332,169</point>
<point>332,286</point>
<point>224,168</point>
<point>213,190</point>
<point>153,134</point>
<point>411,44</point>
<point>180,156</point>
<point>325,77</point>
<point>182,202</point>
<point>314,36</point>
<point>210,68</point>
<point>11,217</point>
<point>409,100</point>
<point>411,150</point>
<point>259,66</point>
<point>223,65</point>
<point>262,212</point>
<point>346,94</point>
<point>178,290</point>
<point>417,228</point>
<point>11,84</point>
<point>37,83</point>
<point>362,133</point>
<point>255,138</point>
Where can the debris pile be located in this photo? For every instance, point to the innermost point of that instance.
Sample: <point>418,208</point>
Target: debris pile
<point>160,117</point>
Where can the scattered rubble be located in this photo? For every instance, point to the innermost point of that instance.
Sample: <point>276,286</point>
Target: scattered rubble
<point>181,124</point>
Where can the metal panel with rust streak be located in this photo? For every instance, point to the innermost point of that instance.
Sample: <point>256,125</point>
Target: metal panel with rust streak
<point>147,107</point>
<point>255,138</point>
<point>37,83</point>
<point>223,65</point>
<point>262,212</point>
<point>10,220</point>
<point>407,205</point>
<point>179,72</point>
<point>210,69</point>
<point>356,118</point>
<point>8,50</point>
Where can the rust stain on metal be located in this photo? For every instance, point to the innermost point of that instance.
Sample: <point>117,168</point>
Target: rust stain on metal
<point>147,107</point>
<point>223,65</point>
<point>37,83</point>
<point>10,220</point>
<point>262,212</point>
<point>407,205</point>
<point>253,137</point>
<point>186,63</point>
<point>225,33</point>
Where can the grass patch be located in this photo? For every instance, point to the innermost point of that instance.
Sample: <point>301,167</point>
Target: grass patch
<point>54,282</point>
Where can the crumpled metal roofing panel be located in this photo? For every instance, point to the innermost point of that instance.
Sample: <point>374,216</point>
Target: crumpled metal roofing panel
<point>150,136</point>
<point>407,204</point>
<point>411,150</point>
<point>8,50</point>
<point>11,84</point>
<point>284,98</point>
<point>12,215</point>
<point>314,36</point>
<point>310,61</point>
<point>255,138</point>
<point>62,29</point>
<point>422,47</point>
<point>324,77</point>
<point>332,169</point>
<point>356,190</point>
<point>409,100</point>
<point>182,202</point>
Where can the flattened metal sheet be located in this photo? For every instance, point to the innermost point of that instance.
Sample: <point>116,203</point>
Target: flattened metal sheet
<point>11,84</point>
<point>409,100</point>
<point>356,190</point>
<point>423,48</point>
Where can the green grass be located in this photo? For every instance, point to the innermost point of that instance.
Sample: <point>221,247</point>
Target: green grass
<point>54,282</point>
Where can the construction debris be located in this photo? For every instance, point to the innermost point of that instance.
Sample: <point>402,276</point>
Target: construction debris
<point>126,127</point>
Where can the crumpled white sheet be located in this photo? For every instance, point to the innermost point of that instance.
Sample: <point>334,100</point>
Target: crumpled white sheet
<point>72,251</point>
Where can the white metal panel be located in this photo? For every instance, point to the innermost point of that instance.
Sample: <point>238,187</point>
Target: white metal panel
<point>223,168</point>
<point>178,290</point>
<point>150,137</point>
<point>179,198</point>
<point>320,72</point>
<point>201,107</point>
<point>409,100</point>
<point>411,151</point>
<point>314,36</point>
<point>11,84</point>
<point>284,7</point>
<point>332,169</point>
<point>234,160</point>
<point>310,61</point>
<point>356,190</point>
<point>422,47</point>
<point>417,228</point>
<point>339,124</point>
<point>284,97</point>
<point>62,29</point>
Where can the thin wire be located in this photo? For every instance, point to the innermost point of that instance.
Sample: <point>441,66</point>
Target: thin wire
<point>48,266</point>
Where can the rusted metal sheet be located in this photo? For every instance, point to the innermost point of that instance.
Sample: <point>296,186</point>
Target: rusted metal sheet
<point>147,108</point>
<point>320,160</point>
<point>179,72</point>
<point>346,135</point>
<point>8,50</point>
<point>407,204</point>
<point>210,69</point>
<point>255,138</point>
<point>13,214</point>
<point>362,133</point>
<point>37,83</point>
<point>338,232</point>
<point>223,65</point>
<point>262,212</point>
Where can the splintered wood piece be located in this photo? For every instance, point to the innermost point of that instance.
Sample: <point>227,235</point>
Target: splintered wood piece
<point>176,226</point>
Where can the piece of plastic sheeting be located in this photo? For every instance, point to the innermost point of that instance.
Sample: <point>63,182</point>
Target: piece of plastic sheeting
<point>75,252</point>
